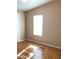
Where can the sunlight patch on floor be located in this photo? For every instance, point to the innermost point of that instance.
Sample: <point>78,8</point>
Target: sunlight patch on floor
<point>26,50</point>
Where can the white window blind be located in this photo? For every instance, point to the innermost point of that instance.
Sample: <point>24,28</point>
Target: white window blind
<point>38,25</point>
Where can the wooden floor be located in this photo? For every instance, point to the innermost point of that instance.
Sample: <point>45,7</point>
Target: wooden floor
<point>31,50</point>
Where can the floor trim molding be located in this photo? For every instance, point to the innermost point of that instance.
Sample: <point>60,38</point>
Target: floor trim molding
<point>20,40</point>
<point>44,44</point>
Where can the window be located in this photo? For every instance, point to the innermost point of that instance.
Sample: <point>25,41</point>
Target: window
<point>38,25</point>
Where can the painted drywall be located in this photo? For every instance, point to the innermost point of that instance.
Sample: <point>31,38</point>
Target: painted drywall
<point>51,23</point>
<point>20,26</point>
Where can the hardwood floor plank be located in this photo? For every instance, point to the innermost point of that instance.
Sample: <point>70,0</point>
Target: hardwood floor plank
<point>34,50</point>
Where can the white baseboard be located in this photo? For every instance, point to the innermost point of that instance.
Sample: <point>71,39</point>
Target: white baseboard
<point>44,43</point>
<point>20,40</point>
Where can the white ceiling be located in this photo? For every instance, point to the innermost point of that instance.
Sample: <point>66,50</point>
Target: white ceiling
<point>30,4</point>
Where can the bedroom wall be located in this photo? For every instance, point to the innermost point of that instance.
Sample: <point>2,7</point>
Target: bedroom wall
<point>20,26</point>
<point>51,23</point>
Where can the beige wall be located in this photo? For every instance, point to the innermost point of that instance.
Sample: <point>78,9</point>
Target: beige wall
<point>51,23</point>
<point>20,25</point>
